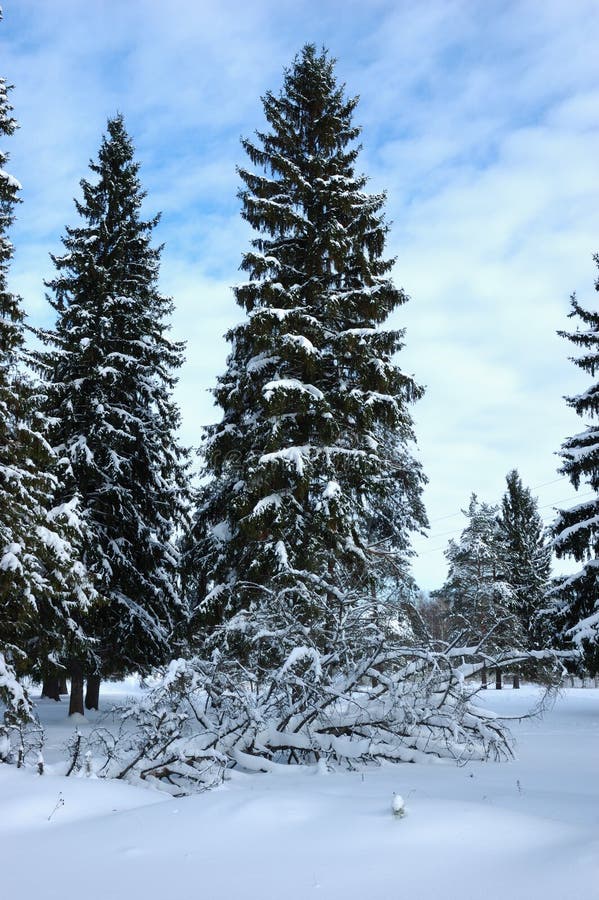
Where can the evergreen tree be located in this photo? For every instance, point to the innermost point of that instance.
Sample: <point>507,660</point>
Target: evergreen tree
<point>109,369</point>
<point>15,612</point>
<point>527,560</point>
<point>576,530</point>
<point>43,588</point>
<point>479,598</point>
<point>296,565</point>
<point>315,439</point>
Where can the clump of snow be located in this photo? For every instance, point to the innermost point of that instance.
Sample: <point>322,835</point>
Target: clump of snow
<point>299,654</point>
<point>273,501</point>
<point>282,554</point>
<point>398,806</point>
<point>295,456</point>
<point>9,560</point>
<point>332,490</point>
<point>291,384</point>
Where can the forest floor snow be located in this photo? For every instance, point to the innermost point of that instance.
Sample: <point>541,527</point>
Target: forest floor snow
<point>522,830</point>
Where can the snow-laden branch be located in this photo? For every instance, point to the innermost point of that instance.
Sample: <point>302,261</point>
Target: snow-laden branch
<point>397,704</point>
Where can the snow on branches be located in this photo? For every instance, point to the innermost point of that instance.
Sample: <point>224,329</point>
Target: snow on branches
<point>19,732</point>
<point>208,716</point>
<point>576,530</point>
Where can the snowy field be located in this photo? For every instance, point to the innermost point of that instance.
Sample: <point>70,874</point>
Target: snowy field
<point>521,830</point>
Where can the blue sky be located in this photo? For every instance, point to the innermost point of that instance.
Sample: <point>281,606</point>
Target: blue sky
<point>480,120</point>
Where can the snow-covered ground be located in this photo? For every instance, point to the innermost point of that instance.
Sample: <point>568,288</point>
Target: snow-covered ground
<point>523,830</point>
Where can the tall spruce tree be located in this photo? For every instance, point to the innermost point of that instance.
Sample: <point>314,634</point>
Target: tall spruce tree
<point>304,652</point>
<point>44,590</point>
<point>576,530</point>
<point>110,377</point>
<point>315,439</point>
<point>527,560</point>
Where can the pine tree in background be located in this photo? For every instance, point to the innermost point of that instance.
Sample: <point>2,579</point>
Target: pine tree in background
<point>44,590</point>
<point>527,561</point>
<point>316,433</point>
<point>480,601</point>
<point>110,377</point>
<point>576,531</point>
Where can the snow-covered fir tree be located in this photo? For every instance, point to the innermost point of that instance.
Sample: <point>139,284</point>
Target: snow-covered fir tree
<point>480,600</point>
<point>110,369</point>
<point>527,560</point>
<point>44,590</point>
<point>576,530</point>
<point>315,439</point>
<point>304,651</point>
<point>15,612</point>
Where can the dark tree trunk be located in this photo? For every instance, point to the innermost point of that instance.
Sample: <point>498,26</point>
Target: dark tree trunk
<point>498,682</point>
<point>483,678</point>
<point>62,685</point>
<point>516,684</point>
<point>51,687</point>
<point>92,693</point>
<point>76,701</point>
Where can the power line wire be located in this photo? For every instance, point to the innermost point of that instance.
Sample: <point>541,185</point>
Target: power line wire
<point>545,506</point>
<point>535,487</point>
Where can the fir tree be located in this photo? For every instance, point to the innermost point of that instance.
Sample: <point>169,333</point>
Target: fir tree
<point>297,560</point>
<point>479,598</point>
<point>576,530</point>
<point>527,560</point>
<point>43,587</point>
<point>14,482</point>
<point>110,377</point>
<point>316,432</point>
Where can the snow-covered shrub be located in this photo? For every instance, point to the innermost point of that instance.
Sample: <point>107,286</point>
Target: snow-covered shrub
<point>167,737</point>
<point>20,733</point>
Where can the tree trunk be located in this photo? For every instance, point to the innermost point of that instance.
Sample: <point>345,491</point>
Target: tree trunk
<point>62,685</point>
<point>51,687</point>
<point>76,701</point>
<point>498,682</point>
<point>92,693</point>
<point>483,678</point>
<point>516,684</point>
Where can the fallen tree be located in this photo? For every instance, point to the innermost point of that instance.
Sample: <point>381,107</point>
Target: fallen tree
<point>403,704</point>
